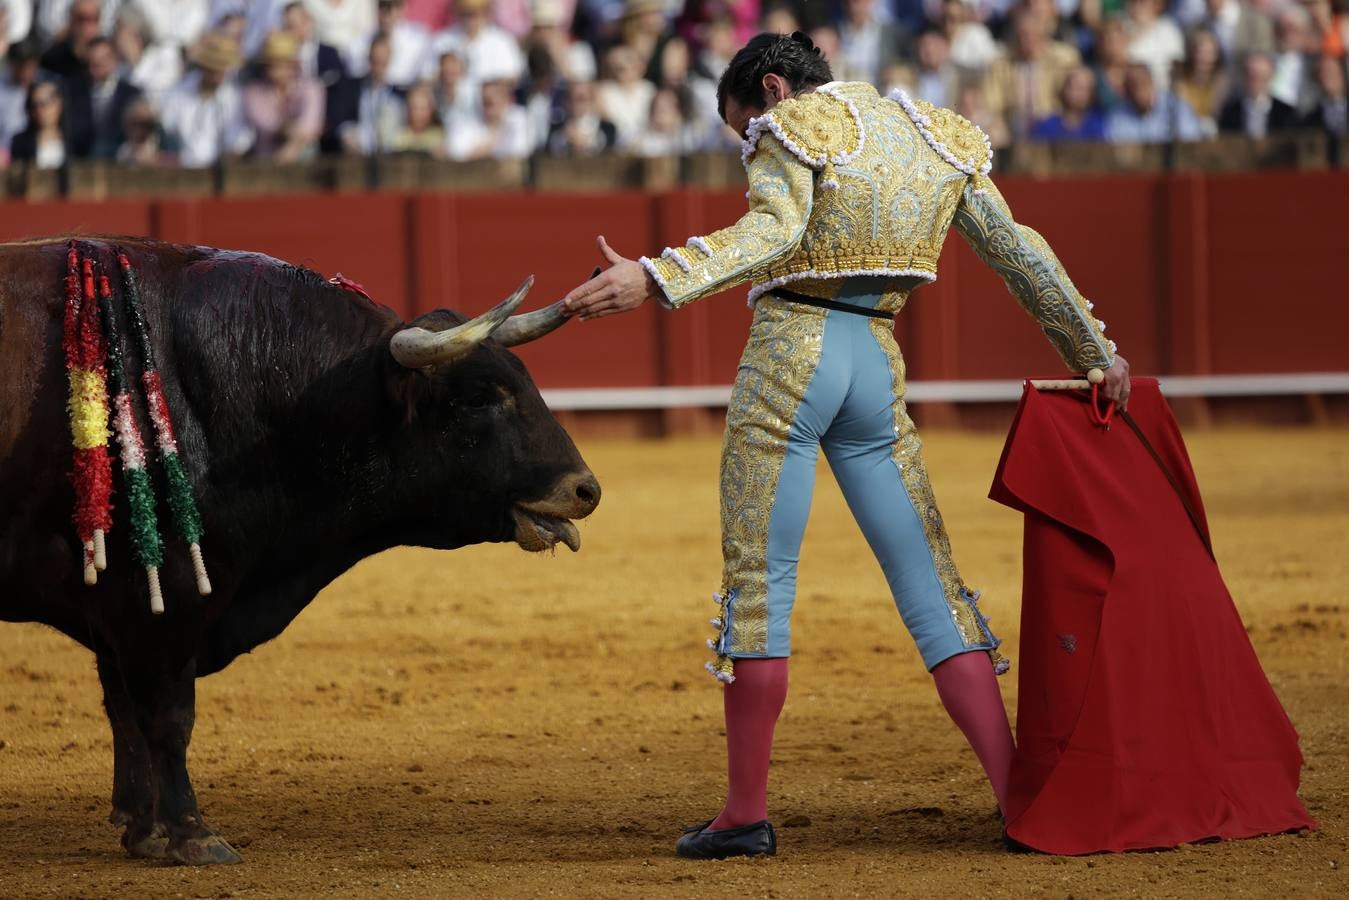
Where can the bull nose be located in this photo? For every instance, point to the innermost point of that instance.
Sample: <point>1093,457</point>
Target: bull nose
<point>585,488</point>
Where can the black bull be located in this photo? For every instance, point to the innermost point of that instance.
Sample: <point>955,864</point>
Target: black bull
<point>318,429</point>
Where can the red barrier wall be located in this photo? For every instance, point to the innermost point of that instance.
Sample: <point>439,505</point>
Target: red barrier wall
<point>1195,274</point>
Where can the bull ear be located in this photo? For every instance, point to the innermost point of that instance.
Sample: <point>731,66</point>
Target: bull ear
<point>417,348</point>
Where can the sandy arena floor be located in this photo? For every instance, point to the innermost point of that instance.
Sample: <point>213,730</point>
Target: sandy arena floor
<point>487,722</point>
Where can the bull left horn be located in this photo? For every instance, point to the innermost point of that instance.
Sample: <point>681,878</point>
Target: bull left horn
<point>528,327</point>
<point>417,348</point>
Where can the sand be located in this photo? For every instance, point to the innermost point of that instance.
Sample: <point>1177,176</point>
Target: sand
<point>487,722</point>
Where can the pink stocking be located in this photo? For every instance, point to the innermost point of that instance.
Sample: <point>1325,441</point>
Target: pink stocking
<point>752,703</point>
<point>969,691</point>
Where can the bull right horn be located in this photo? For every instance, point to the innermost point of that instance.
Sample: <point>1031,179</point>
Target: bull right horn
<point>417,348</point>
<point>528,327</point>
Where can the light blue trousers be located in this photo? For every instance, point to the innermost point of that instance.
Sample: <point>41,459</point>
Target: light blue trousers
<point>852,407</point>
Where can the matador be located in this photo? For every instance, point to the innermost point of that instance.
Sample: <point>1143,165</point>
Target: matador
<point>851,196</point>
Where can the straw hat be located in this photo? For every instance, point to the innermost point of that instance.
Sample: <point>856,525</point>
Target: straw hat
<point>280,47</point>
<point>216,52</point>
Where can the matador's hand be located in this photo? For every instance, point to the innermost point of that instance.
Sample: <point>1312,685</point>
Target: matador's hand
<point>625,285</point>
<point>1116,384</point>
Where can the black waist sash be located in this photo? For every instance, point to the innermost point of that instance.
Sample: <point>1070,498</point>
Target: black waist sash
<point>794,297</point>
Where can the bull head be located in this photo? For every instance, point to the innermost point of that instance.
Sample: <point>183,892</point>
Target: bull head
<point>417,348</point>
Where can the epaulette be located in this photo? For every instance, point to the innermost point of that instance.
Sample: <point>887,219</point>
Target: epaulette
<point>822,129</point>
<point>955,138</point>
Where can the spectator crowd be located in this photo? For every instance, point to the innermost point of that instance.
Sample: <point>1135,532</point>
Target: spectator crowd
<point>192,82</point>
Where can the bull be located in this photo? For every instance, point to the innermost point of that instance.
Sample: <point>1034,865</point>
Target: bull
<point>318,428</point>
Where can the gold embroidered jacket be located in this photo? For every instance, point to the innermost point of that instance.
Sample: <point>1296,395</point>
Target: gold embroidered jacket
<point>843,182</point>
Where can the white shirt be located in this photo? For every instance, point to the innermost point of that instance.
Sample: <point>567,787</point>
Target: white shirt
<point>510,140</point>
<point>409,55</point>
<point>159,69</point>
<point>20,19</point>
<point>491,56</point>
<point>1158,47</point>
<point>204,126</point>
<point>344,24</point>
<point>1255,113</point>
<point>379,115</point>
<point>973,47</point>
<point>628,107</point>
<point>176,22</point>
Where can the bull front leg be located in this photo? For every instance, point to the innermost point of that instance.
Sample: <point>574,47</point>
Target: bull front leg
<point>165,704</point>
<point>133,789</point>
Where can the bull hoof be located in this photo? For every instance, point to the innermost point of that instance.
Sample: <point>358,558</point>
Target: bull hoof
<point>142,844</point>
<point>211,850</point>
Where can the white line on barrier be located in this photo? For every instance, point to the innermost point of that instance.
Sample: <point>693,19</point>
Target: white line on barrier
<point>952,391</point>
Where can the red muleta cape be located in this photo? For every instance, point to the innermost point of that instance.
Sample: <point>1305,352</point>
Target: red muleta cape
<point>1144,719</point>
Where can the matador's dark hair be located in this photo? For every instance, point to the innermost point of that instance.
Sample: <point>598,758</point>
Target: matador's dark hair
<point>793,56</point>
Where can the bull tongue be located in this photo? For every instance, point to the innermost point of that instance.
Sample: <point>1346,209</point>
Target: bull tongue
<point>569,535</point>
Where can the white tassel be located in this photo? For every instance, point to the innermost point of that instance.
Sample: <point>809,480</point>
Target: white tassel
<point>156,595</point>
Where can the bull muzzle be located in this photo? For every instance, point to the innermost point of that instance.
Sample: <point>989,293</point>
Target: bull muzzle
<point>543,524</point>
<point>417,348</point>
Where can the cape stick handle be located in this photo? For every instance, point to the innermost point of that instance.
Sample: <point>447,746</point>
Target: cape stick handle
<point>1094,376</point>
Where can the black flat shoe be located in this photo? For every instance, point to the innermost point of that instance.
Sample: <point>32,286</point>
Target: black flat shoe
<point>693,829</point>
<point>757,839</point>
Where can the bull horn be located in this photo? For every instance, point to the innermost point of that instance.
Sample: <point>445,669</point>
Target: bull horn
<point>528,327</point>
<point>417,348</point>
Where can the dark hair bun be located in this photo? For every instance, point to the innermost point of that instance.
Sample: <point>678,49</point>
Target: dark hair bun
<point>804,40</point>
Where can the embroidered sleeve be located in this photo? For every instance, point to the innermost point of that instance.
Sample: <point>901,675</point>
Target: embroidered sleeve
<point>1034,276</point>
<point>780,197</point>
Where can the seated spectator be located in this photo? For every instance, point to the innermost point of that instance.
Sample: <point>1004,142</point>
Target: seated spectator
<point>152,67</point>
<point>83,24</point>
<point>324,63</point>
<point>489,53</point>
<point>455,98</point>
<point>96,100</point>
<point>972,44</point>
<point>1254,111</point>
<point>501,133</point>
<point>1154,40</point>
<point>582,131</point>
<point>867,45</point>
<point>43,141</point>
<point>1078,118</point>
<point>203,116</point>
<point>1112,64</point>
<point>283,107</point>
<point>421,131</point>
<point>1202,80</point>
<point>644,28</point>
<point>936,79</point>
<point>574,60</point>
<point>141,144</point>
<point>1150,115</point>
<point>1241,28</point>
<point>970,104</point>
<point>409,46</point>
<point>1294,59</point>
<point>778,18</point>
<point>21,70</point>
<point>379,107</point>
<point>668,132</point>
<point>543,94</point>
<point>1024,85</point>
<point>1331,112</point>
<point>625,96</point>
<point>676,71</point>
